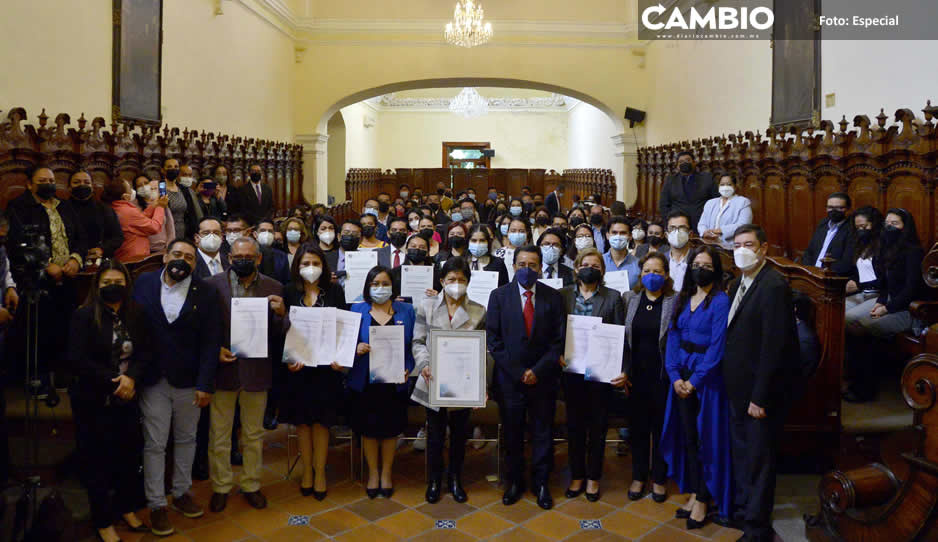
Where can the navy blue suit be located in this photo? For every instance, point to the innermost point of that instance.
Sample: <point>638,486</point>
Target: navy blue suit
<point>186,353</point>
<point>514,352</point>
<point>275,264</point>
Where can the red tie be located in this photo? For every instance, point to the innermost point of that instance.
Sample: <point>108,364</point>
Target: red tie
<point>528,312</point>
<point>397,258</point>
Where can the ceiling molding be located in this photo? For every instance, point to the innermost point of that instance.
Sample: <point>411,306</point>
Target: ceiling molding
<point>435,26</point>
<point>391,103</point>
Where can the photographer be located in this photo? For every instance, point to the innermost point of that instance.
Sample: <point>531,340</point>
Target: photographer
<point>49,266</point>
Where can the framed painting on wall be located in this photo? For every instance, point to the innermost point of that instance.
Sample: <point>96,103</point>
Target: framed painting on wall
<point>137,61</point>
<point>796,64</point>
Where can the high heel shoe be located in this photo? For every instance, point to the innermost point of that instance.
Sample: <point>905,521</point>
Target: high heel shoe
<point>372,492</point>
<point>592,497</point>
<point>385,492</point>
<point>306,491</point>
<point>681,513</point>
<point>636,495</point>
<point>319,495</point>
<point>694,524</point>
<point>659,497</point>
<point>574,493</point>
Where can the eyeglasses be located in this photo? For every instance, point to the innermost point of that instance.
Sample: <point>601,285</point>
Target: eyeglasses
<point>684,229</point>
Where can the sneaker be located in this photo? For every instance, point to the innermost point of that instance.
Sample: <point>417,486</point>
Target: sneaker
<point>477,434</point>
<point>186,506</point>
<point>421,443</point>
<point>159,522</point>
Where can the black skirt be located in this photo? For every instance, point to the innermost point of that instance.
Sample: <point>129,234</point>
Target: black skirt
<point>379,411</point>
<point>313,395</point>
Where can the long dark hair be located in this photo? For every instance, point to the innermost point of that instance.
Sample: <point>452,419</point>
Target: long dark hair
<point>94,293</point>
<point>908,239</point>
<point>689,288</point>
<point>875,218</point>
<point>324,279</point>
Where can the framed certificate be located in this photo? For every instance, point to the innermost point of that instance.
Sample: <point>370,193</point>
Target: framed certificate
<point>457,368</point>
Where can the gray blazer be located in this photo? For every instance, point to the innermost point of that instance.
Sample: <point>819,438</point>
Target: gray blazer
<point>607,304</point>
<point>631,301</point>
<point>433,314</point>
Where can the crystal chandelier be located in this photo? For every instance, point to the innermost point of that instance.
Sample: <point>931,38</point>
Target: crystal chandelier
<point>469,103</point>
<point>467,28</point>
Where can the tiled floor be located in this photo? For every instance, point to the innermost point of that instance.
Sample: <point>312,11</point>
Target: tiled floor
<point>347,515</point>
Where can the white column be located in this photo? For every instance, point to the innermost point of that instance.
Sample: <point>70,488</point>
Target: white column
<point>315,167</point>
<point>627,145</point>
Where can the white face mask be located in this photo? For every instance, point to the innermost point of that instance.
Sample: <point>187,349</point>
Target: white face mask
<point>293,236</point>
<point>404,194</point>
<point>380,294</point>
<point>583,243</point>
<point>414,224</point>
<point>727,191</point>
<point>186,181</point>
<point>678,238</point>
<point>210,243</point>
<point>327,237</point>
<point>455,290</point>
<point>133,195</point>
<point>144,192</point>
<point>231,238</point>
<point>745,258</point>
<point>310,273</point>
<point>265,238</point>
<point>638,235</point>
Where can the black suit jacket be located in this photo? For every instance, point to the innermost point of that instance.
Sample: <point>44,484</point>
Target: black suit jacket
<point>563,272</point>
<point>552,204</point>
<point>841,247</point>
<point>202,271</point>
<point>248,204</point>
<point>702,187</point>
<point>508,341</point>
<point>762,352</point>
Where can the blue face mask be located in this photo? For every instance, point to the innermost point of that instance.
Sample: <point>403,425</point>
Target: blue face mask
<point>550,254</point>
<point>619,242</point>
<point>504,229</point>
<point>653,282</point>
<point>515,211</point>
<point>380,294</point>
<point>293,236</point>
<point>526,277</point>
<point>517,238</point>
<point>457,217</point>
<point>370,211</point>
<point>478,249</point>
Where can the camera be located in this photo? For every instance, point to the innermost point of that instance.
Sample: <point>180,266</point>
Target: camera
<point>30,258</point>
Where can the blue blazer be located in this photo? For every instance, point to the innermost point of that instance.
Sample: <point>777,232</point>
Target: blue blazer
<point>508,341</point>
<point>738,212</point>
<point>186,350</point>
<point>403,315</point>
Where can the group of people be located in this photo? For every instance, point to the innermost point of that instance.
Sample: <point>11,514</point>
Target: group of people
<point>706,365</point>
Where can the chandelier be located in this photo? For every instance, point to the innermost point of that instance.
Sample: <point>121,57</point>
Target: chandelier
<point>469,103</point>
<point>467,28</point>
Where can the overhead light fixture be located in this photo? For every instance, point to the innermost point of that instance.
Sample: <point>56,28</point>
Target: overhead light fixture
<point>468,28</point>
<point>469,103</point>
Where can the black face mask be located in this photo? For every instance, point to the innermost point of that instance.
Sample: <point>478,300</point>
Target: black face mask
<point>255,177</point>
<point>45,190</point>
<point>368,231</point>
<point>458,243</point>
<point>349,243</point>
<point>178,270</point>
<point>890,234</point>
<point>243,268</point>
<point>588,275</point>
<point>434,206</point>
<point>440,192</point>
<point>576,221</point>
<point>171,174</point>
<point>655,241</point>
<point>81,191</point>
<point>542,220</point>
<point>703,277</point>
<point>686,168</point>
<point>528,207</point>
<point>112,293</point>
<point>864,236</point>
<point>383,207</point>
<point>596,220</point>
<point>836,216</point>
<point>416,255</point>
<point>427,234</point>
<point>397,238</point>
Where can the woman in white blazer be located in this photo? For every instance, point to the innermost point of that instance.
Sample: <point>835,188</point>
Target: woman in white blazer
<point>721,216</point>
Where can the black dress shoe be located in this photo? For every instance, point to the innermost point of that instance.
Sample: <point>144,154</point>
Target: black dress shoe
<point>512,494</point>
<point>574,493</point>
<point>372,493</point>
<point>636,495</point>
<point>433,492</point>
<point>544,500</point>
<point>659,497</point>
<point>319,495</point>
<point>680,513</point>
<point>455,487</point>
<point>694,524</point>
<point>306,491</point>
<point>592,497</point>
<point>218,503</point>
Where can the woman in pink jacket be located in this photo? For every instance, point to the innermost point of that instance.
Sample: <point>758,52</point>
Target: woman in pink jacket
<point>137,225</point>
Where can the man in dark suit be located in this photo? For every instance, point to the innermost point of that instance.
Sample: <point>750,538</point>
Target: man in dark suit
<point>552,201</point>
<point>211,258</point>
<point>182,312</point>
<point>553,244</point>
<point>687,190</point>
<point>525,329</point>
<point>833,237</point>
<point>255,198</point>
<point>760,359</point>
<point>242,380</point>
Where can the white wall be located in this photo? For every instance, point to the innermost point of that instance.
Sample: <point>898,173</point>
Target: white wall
<point>590,134</point>
<point>868,75</point>
<point>361,147</point>
<point>520,139</point>
<point>336,157</point>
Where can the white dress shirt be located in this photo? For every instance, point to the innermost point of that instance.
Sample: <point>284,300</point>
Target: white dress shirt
<point>831,233</point>
<point>521,291</point>
<point>678,269</point>
<point>401,254</point>
<point>214,263</point>
<point>172,298</point>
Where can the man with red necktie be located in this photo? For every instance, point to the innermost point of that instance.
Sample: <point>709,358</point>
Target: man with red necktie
<point>255,198</point>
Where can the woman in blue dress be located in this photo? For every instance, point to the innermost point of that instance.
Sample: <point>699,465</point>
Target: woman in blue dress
<point>379,410</point>
<point>695,441</point>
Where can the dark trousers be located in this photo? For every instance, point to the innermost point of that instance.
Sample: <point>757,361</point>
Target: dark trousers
<point>754,460</point>
<point>275,393</point>
<point>647,404</point>
<point>587,421</point>
<point>109,444</point>
<point>689,410</point>
<point>516,402</point>
<point>458,422</point>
